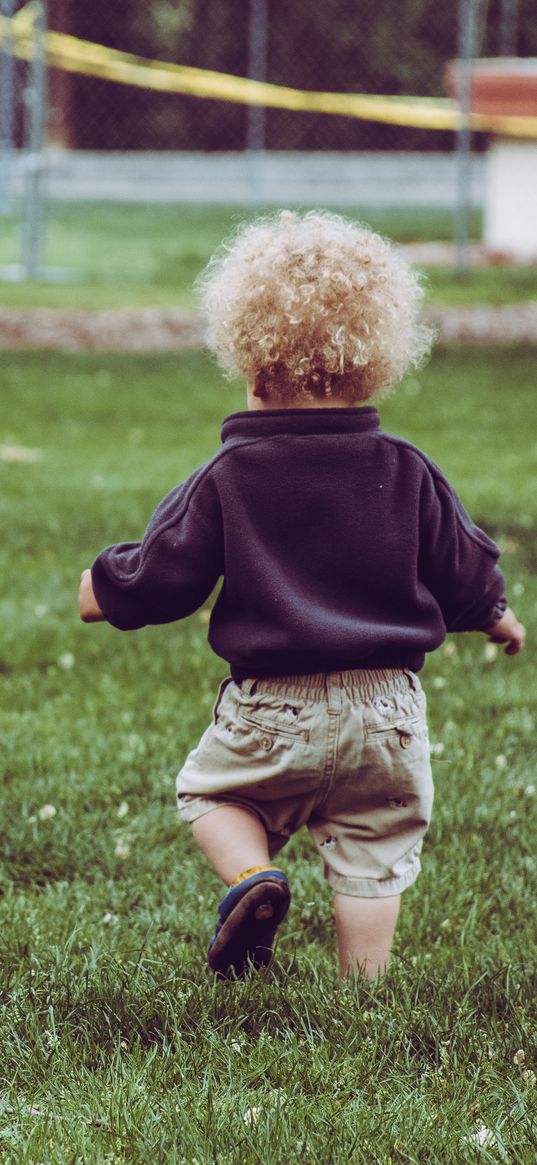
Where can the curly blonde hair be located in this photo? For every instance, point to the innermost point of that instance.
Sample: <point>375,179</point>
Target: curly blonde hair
<point>311,306</point>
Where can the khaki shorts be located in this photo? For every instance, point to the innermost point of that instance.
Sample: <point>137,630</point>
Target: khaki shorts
<point>346,754</point>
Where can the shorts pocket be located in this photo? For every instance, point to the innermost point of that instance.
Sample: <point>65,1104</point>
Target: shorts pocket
<point>273,716</point>
<point>403,732</point>
<point>272,727</point>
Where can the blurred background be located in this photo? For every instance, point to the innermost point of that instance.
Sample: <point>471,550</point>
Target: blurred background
<point>364,46</point>
<point>88,112</point>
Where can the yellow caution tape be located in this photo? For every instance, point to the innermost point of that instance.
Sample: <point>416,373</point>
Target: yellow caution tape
<point>18,36</point>
<point>25,20</point>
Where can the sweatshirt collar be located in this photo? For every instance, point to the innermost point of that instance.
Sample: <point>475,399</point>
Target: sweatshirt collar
<point>302,422</point>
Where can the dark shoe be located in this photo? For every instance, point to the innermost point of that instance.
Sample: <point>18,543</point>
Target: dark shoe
<point>248,918</point>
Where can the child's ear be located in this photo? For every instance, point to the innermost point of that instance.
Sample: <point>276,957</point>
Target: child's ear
<point>260,385</point>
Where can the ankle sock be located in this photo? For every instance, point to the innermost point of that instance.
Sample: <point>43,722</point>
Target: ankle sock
<point>253,870</point>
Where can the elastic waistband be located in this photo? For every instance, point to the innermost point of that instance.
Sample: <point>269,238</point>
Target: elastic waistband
<point>364,684</point>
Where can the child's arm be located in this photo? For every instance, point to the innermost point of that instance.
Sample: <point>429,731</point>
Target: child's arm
<point>170,573</point>
<point>508,630</point>
<point>90,611</point>
<point>459,564</point>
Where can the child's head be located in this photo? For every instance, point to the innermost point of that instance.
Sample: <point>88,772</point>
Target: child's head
<point>310,307</point>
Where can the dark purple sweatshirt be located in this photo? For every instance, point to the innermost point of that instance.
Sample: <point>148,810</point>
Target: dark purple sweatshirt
<point>339,547</point>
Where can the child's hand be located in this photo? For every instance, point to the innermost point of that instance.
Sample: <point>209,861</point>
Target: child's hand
<point>90,611</point>
<point>508,630</point>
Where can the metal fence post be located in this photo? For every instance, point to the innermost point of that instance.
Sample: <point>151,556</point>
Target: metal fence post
<point>509,16</point>
<point>34,130</point>
<point>256,115</point>
<point>7,113</point>
<point>257,70</point>
<point>467,43</point>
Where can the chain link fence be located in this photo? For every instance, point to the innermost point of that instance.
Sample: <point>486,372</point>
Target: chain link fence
<point>23,116</point>
<point>10,131</point>
<point>390,47</point>
<point>363,46</point>
<point>367,46</point>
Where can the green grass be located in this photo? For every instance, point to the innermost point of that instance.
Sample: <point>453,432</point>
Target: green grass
<point>489,285</point>
<point>132,256</point>
<point>117,1046</point>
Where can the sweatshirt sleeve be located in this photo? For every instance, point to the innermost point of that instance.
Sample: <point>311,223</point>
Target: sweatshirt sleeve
<point>458,561</point>
<point>171,572</point>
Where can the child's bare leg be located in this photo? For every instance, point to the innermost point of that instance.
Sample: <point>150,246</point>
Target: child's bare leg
<point>365,929</point>
<point>235,842</point>
<point>232,839</point>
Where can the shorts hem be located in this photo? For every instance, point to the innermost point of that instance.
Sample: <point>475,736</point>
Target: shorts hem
<point>371,887</point>
<point>193,807</point>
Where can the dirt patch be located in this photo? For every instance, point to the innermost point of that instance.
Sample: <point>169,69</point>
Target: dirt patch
<point>86,331</point>
<point>156,329</point>
<point>482,324</point>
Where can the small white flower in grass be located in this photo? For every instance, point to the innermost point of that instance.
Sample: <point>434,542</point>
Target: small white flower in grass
<point>501,761</point>
<point>40,610</point>
<point>20,453</point>
<point>438,748</point>
<point>530,791</point>
<point>482,1136</point>
<point>123,809</point>
<point>529,1078</point>
<point>122,848</point>
<point>518,589</point>
<point>66,661</point>
<point>46,811</point>
<point>490,653</point>
<point>108,917</point>
<point>236,1046</point>
<point>276,1099</point>
<point>450,649</point>
<point>439,682</point>
<point>251,1115</point>
<point>519,1057</point>
<point>513,815</point>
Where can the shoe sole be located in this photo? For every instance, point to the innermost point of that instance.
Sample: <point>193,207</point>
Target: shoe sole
<point>247,934</point>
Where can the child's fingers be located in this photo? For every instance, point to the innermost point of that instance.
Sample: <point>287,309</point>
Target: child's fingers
<point>514,646</point>
<point>90,611</point>
<point>509,633</point>
<point>515,642</point>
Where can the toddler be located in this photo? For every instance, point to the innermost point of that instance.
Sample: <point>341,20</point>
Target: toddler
<point>345,556</point>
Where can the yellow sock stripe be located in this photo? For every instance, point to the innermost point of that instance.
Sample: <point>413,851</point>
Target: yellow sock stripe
<point>254,870</point>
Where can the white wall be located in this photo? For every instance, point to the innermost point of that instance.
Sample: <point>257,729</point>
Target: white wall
<point>511,199</point>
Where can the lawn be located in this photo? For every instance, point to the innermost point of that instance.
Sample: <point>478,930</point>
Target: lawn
<point>117,1045</point>
<point>111,256</point>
